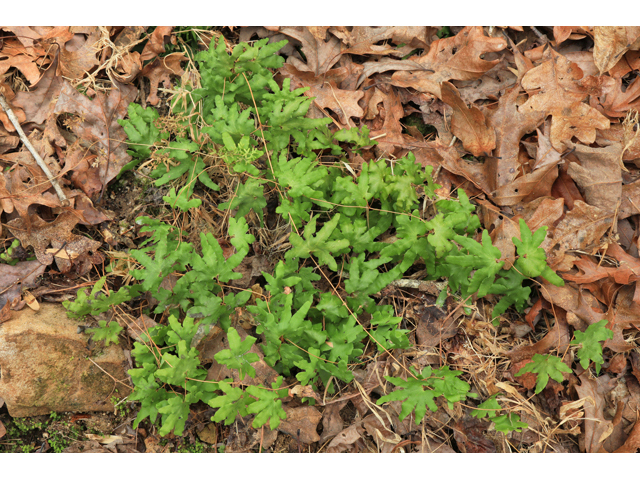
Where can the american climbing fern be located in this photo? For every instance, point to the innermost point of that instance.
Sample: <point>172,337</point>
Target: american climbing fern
<point>258,133</point>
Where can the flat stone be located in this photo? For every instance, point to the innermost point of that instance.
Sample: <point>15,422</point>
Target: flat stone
<point>45,366</point>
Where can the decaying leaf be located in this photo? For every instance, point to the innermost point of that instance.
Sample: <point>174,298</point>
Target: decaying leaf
<point>468,124</point>
<point>96,122</point>
<point>14,278</point>
<point>161,70</point>
<point>610,43</point>
<point>301,423</point>
<point>453,58</point>
<point>58,235</point>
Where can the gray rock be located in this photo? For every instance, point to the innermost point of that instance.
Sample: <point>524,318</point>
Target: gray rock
<point>45,365</point>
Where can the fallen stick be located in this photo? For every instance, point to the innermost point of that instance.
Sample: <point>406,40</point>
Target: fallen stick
<point>63,198</point>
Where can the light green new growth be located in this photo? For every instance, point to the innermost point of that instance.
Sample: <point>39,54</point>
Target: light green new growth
<point>336,221</point>
<point>591,350</point>
<point>545,366</point>
<point>420,392</point>
<point>505,423</point>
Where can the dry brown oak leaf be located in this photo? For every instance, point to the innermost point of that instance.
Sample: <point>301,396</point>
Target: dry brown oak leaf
<point>362,40</point>
<point>25,59</point>
<point>66,246</point>
<point>321,54</point>
<point>327,93</point>
<point>560,94</point>
<point>76,52</point>
<point>38,104</point>
<point>510,124</point>
<point>160,70</point>
<point>19,189</point>
<point>581,229</point>
<point>599,175</point>
<point>155,45</point>
<point>453,58</point>
<point>15,278</point>
<point>596,427</point>
<point>468,124</point>
<point>535,184</point>
<point>96,122</point>
<point>611,43</point>
<point>616,102</point>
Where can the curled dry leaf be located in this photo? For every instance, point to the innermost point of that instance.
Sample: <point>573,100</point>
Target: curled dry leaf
<point>320,53</point>
<point>332,423</point>
<point>558,337</point>
<point>596,427</point>
<point>362,40</point>
<point>160,70</point>
<point>14,278</point>
<point>611,43</point>
<point>301,423</point>
<point>96,122</point>
<point>58,235</point>
<point>468,124</point>
<point>327,93</point>
<point>155,45</point>
<point>23,58</point>
<point>616,101</point>
<point>453,58</point>
<point>580,229</point>
<point>536,184</point>
<point>349,440</point>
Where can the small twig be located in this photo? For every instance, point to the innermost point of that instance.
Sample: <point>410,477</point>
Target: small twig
<point>63,198</point>
<point>543,38</point>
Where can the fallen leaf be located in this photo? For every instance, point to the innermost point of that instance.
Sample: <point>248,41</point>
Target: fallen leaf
<point>15,54</point>
<point>578,120</point>
<point>306,392</point>
<point>107,439</point>
<point>157,40</point>
<point>468,433</point>
<point>610,43</point>
<point>301,423</point>
<point>599,175</point>
<point>580,229</point>
<point>332,422</point>
<point>30,300</point>
<point>350,439</point>
<point>453,58</point>
<point>510,124</point>
<point>161,70</point>
<point>77,54</point>
<point>327,93</point>
<point>433,326</point>
<point>15,278</point>
<point>631,445</point>
<point>58,235</point>
<point>381,432</point>
<point>596,427</point>
<point>321,54</point>
<point>96,122</point>
<point>362,40</point>
<point>558,338</point>
<point>468,124</point>
<point>39,104</point>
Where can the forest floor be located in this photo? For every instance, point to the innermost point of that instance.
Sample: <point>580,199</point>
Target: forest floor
<point>538,124</point>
